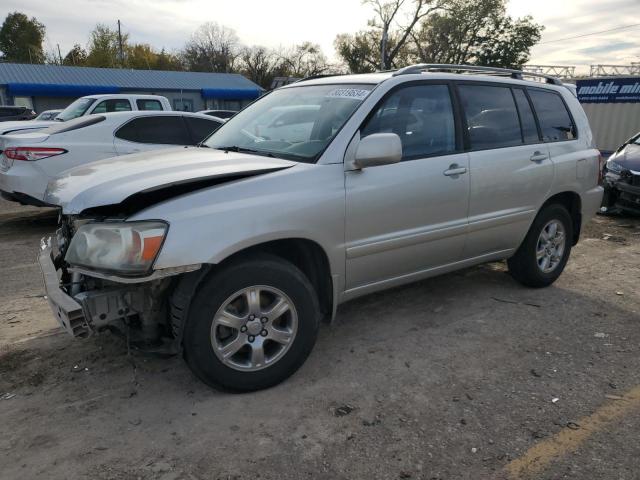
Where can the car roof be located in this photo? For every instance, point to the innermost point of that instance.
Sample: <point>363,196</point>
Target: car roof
<point>119,117</point>
<point>380,77</point>
<point>123,95</point>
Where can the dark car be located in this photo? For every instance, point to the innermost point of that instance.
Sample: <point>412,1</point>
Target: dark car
<point>10,112</point>
<point>622,179</point>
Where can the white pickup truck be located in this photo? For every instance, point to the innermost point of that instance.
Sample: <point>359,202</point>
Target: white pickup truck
<point>112,103</point>
<point>90,104</point>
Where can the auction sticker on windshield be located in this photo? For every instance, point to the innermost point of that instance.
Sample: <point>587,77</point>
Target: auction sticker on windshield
<point>355,93</point>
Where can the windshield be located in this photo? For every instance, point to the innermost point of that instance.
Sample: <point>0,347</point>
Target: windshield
<point>294,123</point>
<point>75,110</point>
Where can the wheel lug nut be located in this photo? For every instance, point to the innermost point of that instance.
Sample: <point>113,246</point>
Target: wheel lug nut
<point>251,338</point>
<point>264,319</point>
<point>263,333</point>
<point>243,328</point>
<point>251,317</point>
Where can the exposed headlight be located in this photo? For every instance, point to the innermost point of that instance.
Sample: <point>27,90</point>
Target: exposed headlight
<point>614,167</point>
<point>128,248</point>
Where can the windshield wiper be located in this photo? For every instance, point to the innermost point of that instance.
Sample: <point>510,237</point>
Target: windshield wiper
<point>237,149</point>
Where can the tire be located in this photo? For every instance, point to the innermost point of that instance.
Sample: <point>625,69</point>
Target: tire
<point>218,323</point>
<point>525,266</point>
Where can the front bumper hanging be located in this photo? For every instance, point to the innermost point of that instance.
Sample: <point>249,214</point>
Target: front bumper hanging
<point>67,311</point>
<point>87,311</point>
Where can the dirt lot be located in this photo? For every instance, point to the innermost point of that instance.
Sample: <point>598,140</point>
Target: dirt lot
<point>467,376</point>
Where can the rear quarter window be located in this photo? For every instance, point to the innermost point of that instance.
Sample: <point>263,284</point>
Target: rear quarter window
<point>554,117</point>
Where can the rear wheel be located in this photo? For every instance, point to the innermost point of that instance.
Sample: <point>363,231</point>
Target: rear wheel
<point>251,325</point>
<point>545,250</point>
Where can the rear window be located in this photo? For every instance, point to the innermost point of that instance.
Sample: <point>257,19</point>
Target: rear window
<point>555,121</point>
<point>144,104</point>
<point>74,124</point>
<point>491,115</point>
<point>162,130</point>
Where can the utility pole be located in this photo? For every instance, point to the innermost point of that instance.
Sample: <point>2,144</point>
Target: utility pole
<point>59,54</point>
<point>120,45</point>
<point>383,48</point>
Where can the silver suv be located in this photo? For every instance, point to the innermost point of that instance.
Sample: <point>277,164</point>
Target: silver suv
<point>232,253</point>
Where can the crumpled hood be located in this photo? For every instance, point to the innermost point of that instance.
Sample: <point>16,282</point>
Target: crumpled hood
<point>628,157</point>
<point>114,180</point>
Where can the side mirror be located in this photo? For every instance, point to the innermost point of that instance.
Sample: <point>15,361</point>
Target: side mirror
<point>378,149</point>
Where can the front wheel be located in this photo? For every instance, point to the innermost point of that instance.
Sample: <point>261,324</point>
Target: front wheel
<point>251,325</point>
<point>545,250</point>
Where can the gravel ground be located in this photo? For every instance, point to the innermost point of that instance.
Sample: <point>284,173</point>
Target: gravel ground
<point>449,378</point>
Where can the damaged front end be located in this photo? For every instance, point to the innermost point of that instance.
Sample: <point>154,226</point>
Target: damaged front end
<point>85,301</point>
<point>621,189</point>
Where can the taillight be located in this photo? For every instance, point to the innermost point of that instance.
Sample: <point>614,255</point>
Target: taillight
<point>601,164</point>
<point>32,153</point>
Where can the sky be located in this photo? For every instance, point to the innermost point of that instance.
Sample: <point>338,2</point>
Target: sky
<point>275,23</point>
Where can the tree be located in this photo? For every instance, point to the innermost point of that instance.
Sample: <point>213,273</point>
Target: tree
<point>168,61</point>
<point>510,43</point>
<point>21,39</point>
<point>212,48</point>
<point>259,64</point>
<point>358,51</point>
<point>141,56</point>
<point>77,57</point>
<point>476,32</point>
<point>386,43</point>
<point>393,39</point>
<point>104,47</point>
<point>303,60</point>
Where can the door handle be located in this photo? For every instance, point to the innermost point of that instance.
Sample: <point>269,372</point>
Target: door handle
<point>539,157</point>
<point>454,170</point>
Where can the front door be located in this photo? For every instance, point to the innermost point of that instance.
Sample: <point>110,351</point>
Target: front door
<point>406,218</point>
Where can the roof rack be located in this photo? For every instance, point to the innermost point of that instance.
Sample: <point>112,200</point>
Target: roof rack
<point>517,74</point>
<point>319,75</point>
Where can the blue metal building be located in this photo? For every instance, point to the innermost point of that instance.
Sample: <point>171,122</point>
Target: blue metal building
<point>44,87</point>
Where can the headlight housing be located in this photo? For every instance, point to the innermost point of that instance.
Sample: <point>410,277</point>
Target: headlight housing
<point>614,167</point>
<point>128,248</point>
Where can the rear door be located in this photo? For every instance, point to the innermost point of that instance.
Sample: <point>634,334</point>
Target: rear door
<point>151,133</point>
<point>511,171</point>
<point>406,218</point>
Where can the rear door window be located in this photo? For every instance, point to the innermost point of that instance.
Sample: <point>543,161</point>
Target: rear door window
<point>491,116</point>
<point>113,105</point>
<point>200,128</point>
<point>555,120</point>
<point>163,130</point>
<point>422,116</point>
<point>145,104</point>
<point>527,119</point>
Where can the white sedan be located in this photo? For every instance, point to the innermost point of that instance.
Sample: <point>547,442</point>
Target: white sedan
<point>29,160</point>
